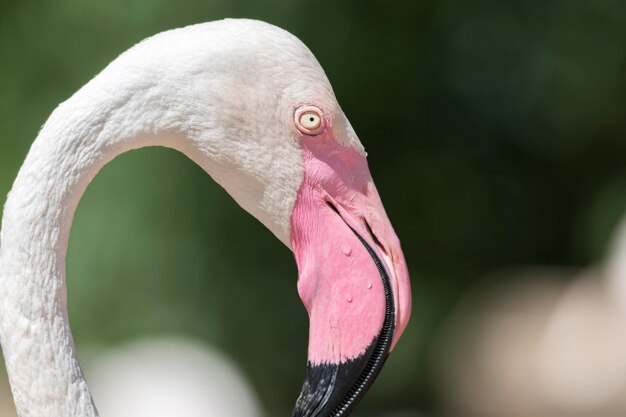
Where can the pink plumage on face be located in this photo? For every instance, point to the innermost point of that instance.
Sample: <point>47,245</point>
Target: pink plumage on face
<point>352,278</point>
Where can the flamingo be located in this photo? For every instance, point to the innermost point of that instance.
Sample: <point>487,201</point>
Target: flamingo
<point>250,104</point>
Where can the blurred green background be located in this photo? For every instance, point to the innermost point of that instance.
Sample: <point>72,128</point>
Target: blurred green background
<point>496,133</point>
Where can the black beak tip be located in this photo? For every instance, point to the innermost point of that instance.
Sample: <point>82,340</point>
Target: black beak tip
<point>333,390</point>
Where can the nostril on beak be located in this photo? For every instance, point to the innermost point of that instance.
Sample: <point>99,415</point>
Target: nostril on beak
<point>332,206</point>
<point>374,238</point>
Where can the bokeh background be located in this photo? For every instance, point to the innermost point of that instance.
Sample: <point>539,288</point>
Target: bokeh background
<point>496,133</point>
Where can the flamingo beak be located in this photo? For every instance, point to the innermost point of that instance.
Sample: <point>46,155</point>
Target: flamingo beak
<point>352,278</point>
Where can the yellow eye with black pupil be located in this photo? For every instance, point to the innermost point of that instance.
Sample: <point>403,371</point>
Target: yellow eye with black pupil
<point>310,120</point>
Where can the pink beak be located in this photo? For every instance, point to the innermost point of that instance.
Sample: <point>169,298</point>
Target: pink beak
<point>353,279</point>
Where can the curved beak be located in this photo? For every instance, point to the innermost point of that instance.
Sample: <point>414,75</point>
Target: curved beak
<point>352,278</point>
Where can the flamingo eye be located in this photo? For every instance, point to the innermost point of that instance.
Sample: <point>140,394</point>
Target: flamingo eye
<point>309,120</point>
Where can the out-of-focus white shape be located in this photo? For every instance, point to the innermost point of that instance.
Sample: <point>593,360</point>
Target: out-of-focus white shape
<point>582,363</point>
<point>486,356</point>
<point>583,356</point>
<point>169,377</point>
<point>540,347</point>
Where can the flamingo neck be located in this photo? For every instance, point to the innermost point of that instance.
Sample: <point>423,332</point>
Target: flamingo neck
<point>77,141</point>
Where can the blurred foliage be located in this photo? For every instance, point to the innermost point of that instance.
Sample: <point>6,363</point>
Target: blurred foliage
<point>496,132</point>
